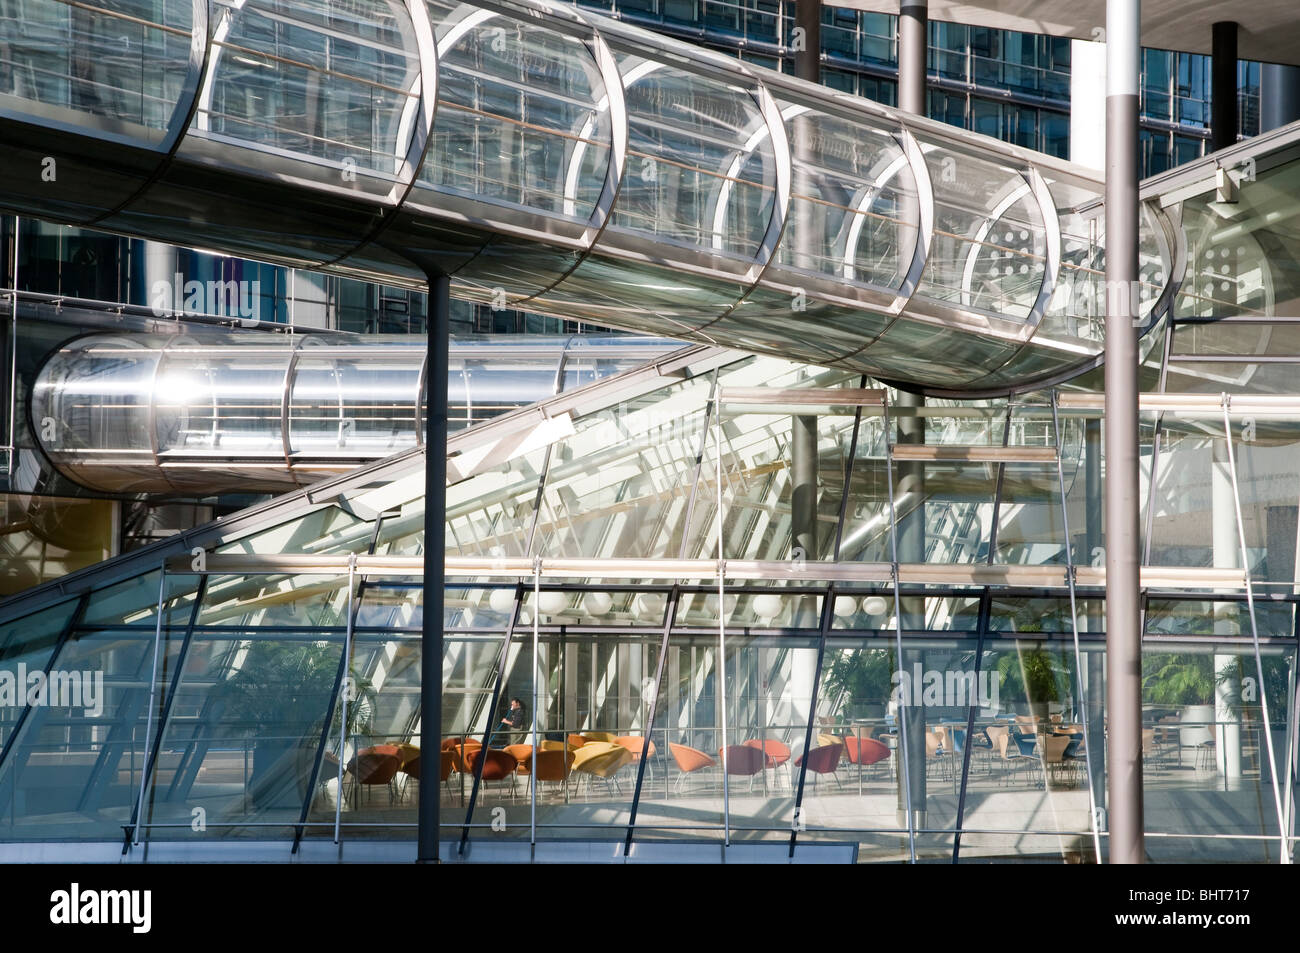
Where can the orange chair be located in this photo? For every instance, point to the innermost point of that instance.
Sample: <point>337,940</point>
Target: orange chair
<point>523,754</point>
<point>591,736</point>
<point>636,745</point>
<point>462,753</point>
<point>777,752</point>
<point>688,760</point>
<point>551,766</point>
<point>577,741</point>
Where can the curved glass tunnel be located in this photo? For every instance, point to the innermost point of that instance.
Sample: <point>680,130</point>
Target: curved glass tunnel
<point>204,413</point>
<point>553,160</point>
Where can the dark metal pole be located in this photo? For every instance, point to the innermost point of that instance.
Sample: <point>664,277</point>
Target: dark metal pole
<point>1123,627</point>
<point>1223,85</point>
<point>808,52</point>
<point>803,480</point>
<point>435,519</point>
<point>913,39</point>
<point>1279,95</point>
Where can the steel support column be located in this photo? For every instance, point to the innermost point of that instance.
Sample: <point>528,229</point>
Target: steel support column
<point>803,486</point>
<point>435,519</point>
<point>1123,625</point>
<point>807,41</point>
<point>1223,85</point>
<point>1279,95</point>
<point>913,39</point>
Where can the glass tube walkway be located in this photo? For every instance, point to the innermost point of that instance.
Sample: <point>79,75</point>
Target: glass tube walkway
<point>240,410</point>
<point>554,160</point>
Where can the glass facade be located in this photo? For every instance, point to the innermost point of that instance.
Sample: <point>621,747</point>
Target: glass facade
<point>692,608</point>
<point>636,654</point>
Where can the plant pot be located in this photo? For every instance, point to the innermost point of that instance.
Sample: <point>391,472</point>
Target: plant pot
<point>281,774</point>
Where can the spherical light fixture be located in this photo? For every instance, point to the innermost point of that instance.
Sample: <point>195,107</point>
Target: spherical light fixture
<point>768,606</point>
<point>597,603</point>
<point>553,603</point>
<point>875,605</point>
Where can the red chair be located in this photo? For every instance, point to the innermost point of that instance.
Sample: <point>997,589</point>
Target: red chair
<point>743,761</point>
<point>497,765</point>
<point>823,760</point>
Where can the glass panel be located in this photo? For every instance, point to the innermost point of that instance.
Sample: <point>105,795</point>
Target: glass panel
<point>701,166</point>
<point>989,240</point>
<point>352,408</point>
<point>243,737</point>
<point>1204,751</point>
<point>621,486</point>
<point>123,61</point>
<point>73,772</point>
<point>25,647</point>
<point>330,86</point>
<point>854,205</point>
<point>523,118</point>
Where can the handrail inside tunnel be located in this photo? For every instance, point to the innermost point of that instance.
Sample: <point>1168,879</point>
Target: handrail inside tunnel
<point>549,158</point>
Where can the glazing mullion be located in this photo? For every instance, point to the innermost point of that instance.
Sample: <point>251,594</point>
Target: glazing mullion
<point>981,630</point>
<point>647,736</point>
<point>152,752</point>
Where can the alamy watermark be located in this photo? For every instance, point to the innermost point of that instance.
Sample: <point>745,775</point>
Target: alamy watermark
<point>935,688</point>
<point>84,690</point>
<point>227,299</point>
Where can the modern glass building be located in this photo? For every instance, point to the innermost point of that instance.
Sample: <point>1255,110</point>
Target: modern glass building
<point>744,598</point>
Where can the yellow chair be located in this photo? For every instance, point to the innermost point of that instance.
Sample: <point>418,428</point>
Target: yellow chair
<point>601,759</point>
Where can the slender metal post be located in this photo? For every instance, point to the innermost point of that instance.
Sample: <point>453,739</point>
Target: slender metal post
<point>532,774</point>
<point>913,30</point>
<point>435,519</point>
<point>1123,629</point>
<point>153,703</point>
<point>720,668</point>
<point>11,436</point>
<point>1223,85</point>
<point>346,688</point>
<point>1092,543</point>
<point>909,537</point>
<point>905,769</point>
